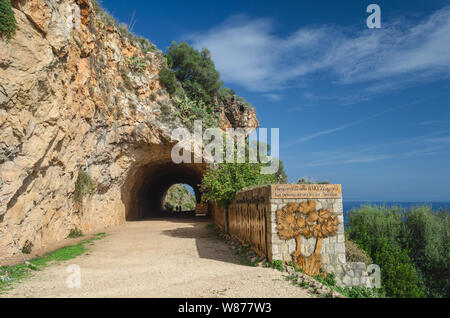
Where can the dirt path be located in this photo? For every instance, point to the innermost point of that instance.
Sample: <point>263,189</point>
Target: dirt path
<point>171,258</point>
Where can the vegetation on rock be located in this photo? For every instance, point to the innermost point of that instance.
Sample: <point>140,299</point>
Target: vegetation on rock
<point>168,78</point>
<point>194,82</point>
<point>27,247</point>
<point>84,186</point>
<point>8,23</point>
<point>189,111</point>
<point>196,71</point>
<point>107,19</point>
<point>137,64</point>
<point>306,180</point>
<point>75,233</point>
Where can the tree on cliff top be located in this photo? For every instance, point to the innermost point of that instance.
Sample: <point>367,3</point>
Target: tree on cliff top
<point>8,23</point>
<point>195,70</point>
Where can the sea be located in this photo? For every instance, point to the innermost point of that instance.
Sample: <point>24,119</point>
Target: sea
<point>353,205</point>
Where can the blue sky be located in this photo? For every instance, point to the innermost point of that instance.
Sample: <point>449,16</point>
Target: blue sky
<point>367,108</point>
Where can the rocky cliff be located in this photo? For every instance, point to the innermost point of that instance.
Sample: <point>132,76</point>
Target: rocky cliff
<point>78,93</point>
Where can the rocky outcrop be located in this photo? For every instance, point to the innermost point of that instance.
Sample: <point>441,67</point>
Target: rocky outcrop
<point>71,99</point>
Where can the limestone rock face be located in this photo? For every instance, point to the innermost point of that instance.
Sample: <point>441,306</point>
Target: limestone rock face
<point>70,101</point>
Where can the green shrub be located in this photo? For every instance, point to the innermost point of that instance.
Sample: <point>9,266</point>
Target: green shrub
<point>75,233</point>
<point>278,265</point>
<point>421,232</point>
<point>137,64</point>
<point>189,111</point>
<point>427,239</point>
<point>224,180</point>
<point>84,186</point>
<point>167,77</point>
<point>369,223</point>
<point>27,247</point>
<point>195,70</point>
<point>398,275</point>
<point>8,23</point>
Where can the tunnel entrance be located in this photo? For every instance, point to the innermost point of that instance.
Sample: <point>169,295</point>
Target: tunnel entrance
<point>180,199</point>
<point>151,184</point>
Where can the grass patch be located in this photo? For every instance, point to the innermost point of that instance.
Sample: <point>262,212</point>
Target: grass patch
<point>14,274</point>
<point>278,265</point>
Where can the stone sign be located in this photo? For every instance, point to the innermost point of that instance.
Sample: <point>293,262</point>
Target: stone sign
<point>306,191</point>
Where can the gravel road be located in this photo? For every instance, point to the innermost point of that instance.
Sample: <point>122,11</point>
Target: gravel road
<point>159,258</point>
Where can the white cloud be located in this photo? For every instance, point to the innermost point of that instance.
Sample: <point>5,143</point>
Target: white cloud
<point>274,97</point>
<point>356,122</point>
<point>247,52</point>
<point>436,143</point>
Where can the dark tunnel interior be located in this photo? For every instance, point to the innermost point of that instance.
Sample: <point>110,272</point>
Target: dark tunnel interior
<point>153,182</point>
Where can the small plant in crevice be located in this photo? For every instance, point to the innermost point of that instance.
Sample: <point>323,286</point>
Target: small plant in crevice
<point>127,83</point>
<point>91,91</point>
<point>119,111</point>
<point>27,247</point>
<point>136,64</point>
<point>84,186</point>
<point>75,233</point>
<point>133,108</point>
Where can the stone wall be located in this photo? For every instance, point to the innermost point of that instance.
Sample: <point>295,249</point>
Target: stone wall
<point>261,210</point>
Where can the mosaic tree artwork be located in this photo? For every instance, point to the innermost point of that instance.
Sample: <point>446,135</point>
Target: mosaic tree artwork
<point>303,219</point>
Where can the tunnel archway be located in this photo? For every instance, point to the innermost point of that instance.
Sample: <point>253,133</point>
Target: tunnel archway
<point>151,183</point>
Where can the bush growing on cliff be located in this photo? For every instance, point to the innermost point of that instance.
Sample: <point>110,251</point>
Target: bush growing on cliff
<point>189,111</point>
<point>137,64</point>
<point>167,77</point>
<point>8,23</point>
<point>75,233</point>
<point>196,71</point>
<point>84,186</point>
